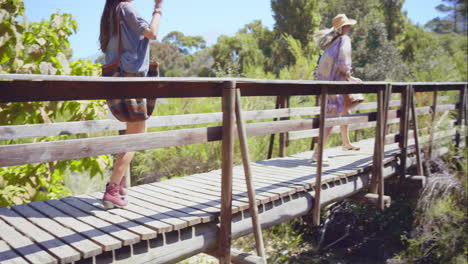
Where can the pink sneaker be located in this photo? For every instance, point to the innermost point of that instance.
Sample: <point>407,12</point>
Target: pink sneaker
<point>122,190</point>
<point>112,198</point>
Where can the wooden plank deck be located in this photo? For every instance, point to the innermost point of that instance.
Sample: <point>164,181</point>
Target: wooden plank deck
<point>79,228</point>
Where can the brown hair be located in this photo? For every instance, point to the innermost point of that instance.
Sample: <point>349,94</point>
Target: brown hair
<point>108,22</point>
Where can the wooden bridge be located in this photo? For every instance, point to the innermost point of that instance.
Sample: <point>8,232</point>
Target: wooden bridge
<point>172,220</point>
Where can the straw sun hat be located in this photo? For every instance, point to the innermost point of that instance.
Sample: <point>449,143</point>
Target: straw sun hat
<point>342,20</point>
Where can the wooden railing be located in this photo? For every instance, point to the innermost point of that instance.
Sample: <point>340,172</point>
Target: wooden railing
<point>18,88</point>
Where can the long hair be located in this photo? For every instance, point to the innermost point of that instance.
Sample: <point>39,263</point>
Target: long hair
<point>108,22</point>
<point>325,37</point>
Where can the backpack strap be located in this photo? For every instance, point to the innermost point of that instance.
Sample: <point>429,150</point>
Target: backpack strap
<point>119,39</point>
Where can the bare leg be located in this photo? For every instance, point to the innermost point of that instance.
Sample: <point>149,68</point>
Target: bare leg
<point>123,159</point>
<point>326,134</point>
<point>345,132</point>
<point>344,129</point>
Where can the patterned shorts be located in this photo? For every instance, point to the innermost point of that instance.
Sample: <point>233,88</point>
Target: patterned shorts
<point>131,110</point>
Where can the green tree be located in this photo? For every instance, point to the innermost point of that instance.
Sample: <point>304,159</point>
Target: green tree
<point>267,43</point>
<point>305,64</point>
<point>433,57</point>
<point>356,9</point>
<point>201,65</point>
<point>11,32</point>
<point>297,18</point>
<point>171,61</point>
<point>440,55</point>
<point>186,44</point>
<point>174,64</point>
<point>394,17</point>
<point>232,55</point>
<point>455,19</point>
<point>41,47</point>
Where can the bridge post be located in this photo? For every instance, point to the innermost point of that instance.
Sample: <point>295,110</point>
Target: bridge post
<point>272,136</point>
<point>248,179</point>
<point>283,137</point>
<point>314,139</point>
<point>377,180</point>
<point>414,117</point>
<point>321,141</point>
<point>404,125</point>
<point>374,185</point>
<point>387,94</point>
<point>433,119</point>
<point>227,159</point>
<point>461,111</point>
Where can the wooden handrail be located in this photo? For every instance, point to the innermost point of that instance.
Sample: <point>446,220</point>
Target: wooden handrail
<point>21,87</point>
<point>294,135</point>
<point>18,154</point>
<point>96,126</point>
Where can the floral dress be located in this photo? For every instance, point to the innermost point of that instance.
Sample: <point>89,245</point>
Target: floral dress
<point>334,65</point>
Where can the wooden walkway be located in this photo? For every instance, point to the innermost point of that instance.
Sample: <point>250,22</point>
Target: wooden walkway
<point>79,228</point>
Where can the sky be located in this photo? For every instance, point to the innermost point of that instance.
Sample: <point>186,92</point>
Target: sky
<point>207,18</point>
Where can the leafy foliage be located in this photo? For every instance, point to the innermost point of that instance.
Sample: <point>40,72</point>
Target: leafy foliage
<point>297,18</point>
<point>455,19</point>
<point>433,57</point>
<point>239,52</point>
<point>304,68</point>
<point>185,43</point>
<point>42,48</point>
<point>171,62</point>
<point>443,239</point>
<point>10,39</point>
<point>394,17</point>
<point>176,61</point>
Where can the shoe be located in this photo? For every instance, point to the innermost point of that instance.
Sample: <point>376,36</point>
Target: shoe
<point>122,190</point>
<point>112,198</point>
<point>349,147</point>
<point>315,158</point>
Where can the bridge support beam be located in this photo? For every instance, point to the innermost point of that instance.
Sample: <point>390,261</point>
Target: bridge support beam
<point>432,128</point>
<point>414,118</point>
<point>321,142</point>
<point>377,182</point>
<point>283,137</point>
<point>272,136</point>
<point>462,116</point>
<point>371,198</point>
<point>250,188</point>
<point>404,124</point>
<point>227,156</point>
<point>419,180</point>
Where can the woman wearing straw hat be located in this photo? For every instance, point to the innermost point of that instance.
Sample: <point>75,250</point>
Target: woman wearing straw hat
<point>335,65</point>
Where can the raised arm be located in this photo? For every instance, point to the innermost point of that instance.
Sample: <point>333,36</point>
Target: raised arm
<point>152,31</point>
